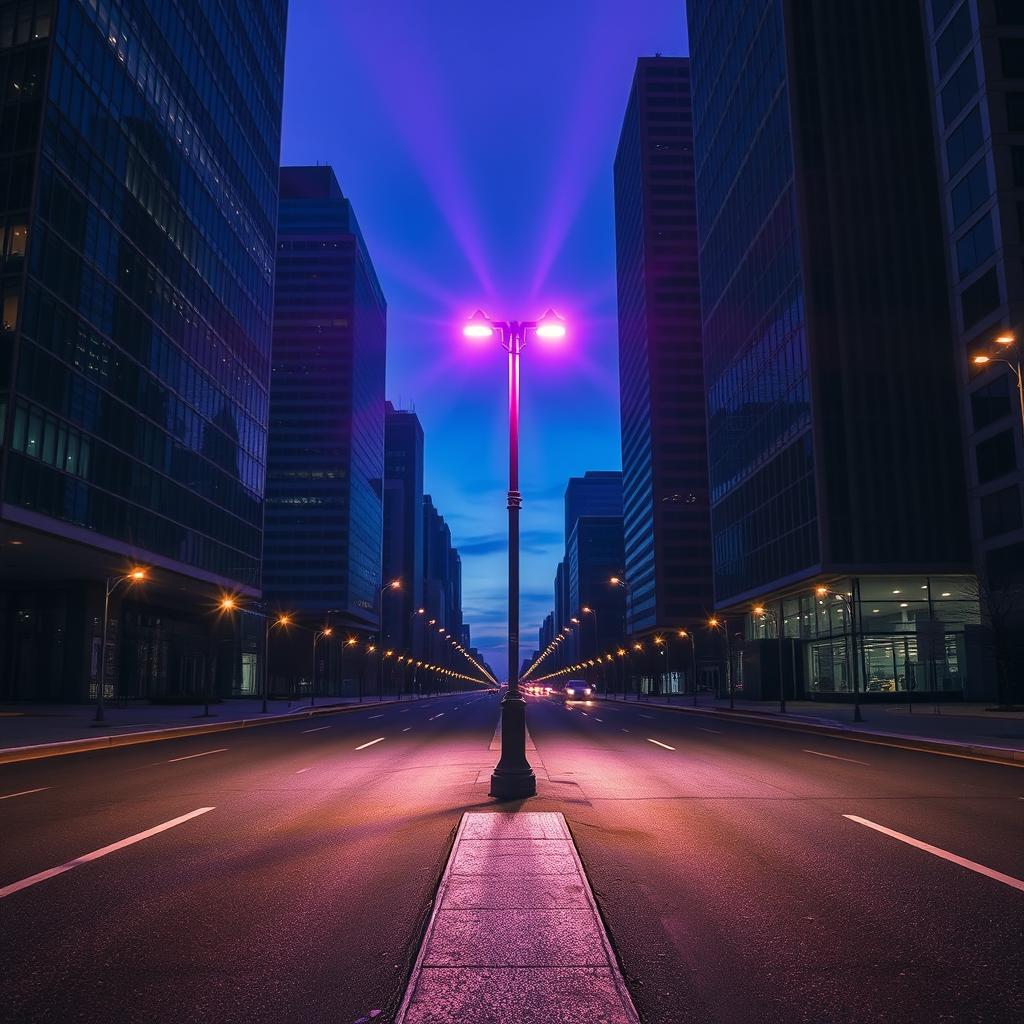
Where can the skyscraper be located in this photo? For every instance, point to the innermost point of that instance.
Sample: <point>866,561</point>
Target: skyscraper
<point>661,381</point>
<point>833,439</point>
<point>975,53</point>
<point>403,528</point>
<point>596,493</point>
<point>137,218</point>
<point>325,459</point>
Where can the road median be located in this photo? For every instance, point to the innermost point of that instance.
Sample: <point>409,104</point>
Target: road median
<point>825,727</point>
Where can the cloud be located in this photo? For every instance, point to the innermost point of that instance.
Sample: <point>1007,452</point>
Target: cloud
<point>537,541</point>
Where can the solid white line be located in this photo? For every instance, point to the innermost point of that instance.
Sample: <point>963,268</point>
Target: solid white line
<point>379,739</point>
<point>372,717</point>
<point>24,792</point>
<point>660,744</point>
<point>42,876</point>
<point>971,865</point>
<point>836,757</point>
<point>301,770</point>
<point>188,757</point>
<point>715,731</point>
<point>319,728</point>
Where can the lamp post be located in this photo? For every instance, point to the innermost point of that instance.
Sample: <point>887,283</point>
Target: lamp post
<point>350,642</point>
<point>137,575</point>
<point>722,626</point>
<point>281,620</point>
<point>1006,341</point>
<point>683,635</point>
<point>390,585</point>
<point>326,631</point>
<point>766,613</point>
<point>851,671</point>
<point>621,581</point>
<point>513,777</point>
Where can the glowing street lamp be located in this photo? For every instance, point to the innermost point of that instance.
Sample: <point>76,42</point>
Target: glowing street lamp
<point>821,592</point>
<point>722,626</point>
<point>761,612</point>
<point>132,577</point>
<point>513,776</point>
<point>1006,341</point>
<point>325,632</point>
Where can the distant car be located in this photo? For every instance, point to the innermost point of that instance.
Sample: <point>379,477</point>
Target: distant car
<point>575,689</point>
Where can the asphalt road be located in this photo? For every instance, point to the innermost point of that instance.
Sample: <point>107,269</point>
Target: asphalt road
<point>733,885</point>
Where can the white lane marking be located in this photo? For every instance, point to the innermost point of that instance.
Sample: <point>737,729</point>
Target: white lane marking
<point>432,717</point>
<point>24,792</point>
<point>596,719</point>
<point>319,728</point>
<point>188,757</point>
<point>971,865</point>
<point>715,731</point>
<point>408,728</point>
<point>585,713</point>
<point>372,717</point>
<point>658,743</point>
<point>836,757</point>
<point>625,730</point>
<point>379,739</point>
<point>404,711</point>
<point>302,770</point>
<point>42,876</point>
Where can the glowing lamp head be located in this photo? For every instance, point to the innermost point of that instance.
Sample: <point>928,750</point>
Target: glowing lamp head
<point>328,631</point>
<point>713,623</point>
<point>137,575</point>
<point>821,591</point>
<point>1005,339</point>
<point>759,610</point>
<point>551,327</point>
<point>283,620</point>
<point>478,327</point>
<point>228,603</point>
<point>981,360</point>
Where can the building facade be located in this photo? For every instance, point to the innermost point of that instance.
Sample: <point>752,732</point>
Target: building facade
<point>138,210</point>
<point>325,458</point>
<point>828,351</point>
<point>403,529</point>
<point>596,493</point>
<point>661,375</point>
<point>975,55</point>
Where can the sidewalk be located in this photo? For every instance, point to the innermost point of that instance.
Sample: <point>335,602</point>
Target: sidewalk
<point>970,724</point>
<point>27,724</point>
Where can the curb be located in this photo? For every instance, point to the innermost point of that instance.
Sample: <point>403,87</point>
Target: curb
<point>828,727</point>
<point>37,751</point>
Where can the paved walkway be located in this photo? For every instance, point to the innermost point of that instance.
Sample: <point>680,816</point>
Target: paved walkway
<point>962,723</point>
<point>516,937</point>
<point>24,724</point>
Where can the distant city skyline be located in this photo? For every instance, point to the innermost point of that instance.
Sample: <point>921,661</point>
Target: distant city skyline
<point>396,124</point>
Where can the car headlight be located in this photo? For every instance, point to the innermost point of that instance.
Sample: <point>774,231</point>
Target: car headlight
<point>570,691</point>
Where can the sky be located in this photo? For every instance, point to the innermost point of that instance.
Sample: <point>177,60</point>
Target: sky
<point>475,140</point>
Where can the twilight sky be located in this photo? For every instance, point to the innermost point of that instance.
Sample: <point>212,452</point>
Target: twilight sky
<point>475,139</point>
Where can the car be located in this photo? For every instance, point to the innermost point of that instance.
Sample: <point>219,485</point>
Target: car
<point>575,689</point>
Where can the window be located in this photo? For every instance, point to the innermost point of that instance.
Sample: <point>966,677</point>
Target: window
<point>970,193</point>
<point>980,299</point>
<point>954,38</point>
<point>1012,52</point>
<point>940,8</point>
<point>991,403</point>
<point>975,247</point>
<point>18,234</point>
<point>960,88</point>
<point>10,311</point>
<point>1015,111</point>
<point>1001,512</point>
<point>995,457</point>
<point>964,141</point>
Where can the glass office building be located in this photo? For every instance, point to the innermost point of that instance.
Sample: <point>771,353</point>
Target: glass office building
<point>833,436</point>
<point>138,202</point>
<point>325,456</point>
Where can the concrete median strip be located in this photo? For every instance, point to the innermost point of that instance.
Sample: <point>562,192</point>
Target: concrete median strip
<point>515,936</point>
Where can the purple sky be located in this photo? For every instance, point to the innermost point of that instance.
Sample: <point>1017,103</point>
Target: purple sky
<point>475,139</point>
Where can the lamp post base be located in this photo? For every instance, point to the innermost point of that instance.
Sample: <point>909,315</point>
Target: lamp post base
<point>513,778</point>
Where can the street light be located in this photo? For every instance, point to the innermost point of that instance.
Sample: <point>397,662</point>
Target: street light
<point>133,576</point>
<point>683,635</point>
<point>281,620</point>
<point>766,613</point>
<point>513,776</point>
<point>1006,341</point>
<point>390,585</point>
<point>621,581</point>
<point>326,631</point>
<point>722,626</point>
<point>823,592</point>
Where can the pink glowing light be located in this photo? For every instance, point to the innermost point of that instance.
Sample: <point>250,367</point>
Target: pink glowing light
<point>551,327</point>
<point>478,327</point>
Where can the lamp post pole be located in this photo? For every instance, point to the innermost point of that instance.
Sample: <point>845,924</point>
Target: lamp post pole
<point>327,631</point>
<point>513,777</point>
<point>110,585</point>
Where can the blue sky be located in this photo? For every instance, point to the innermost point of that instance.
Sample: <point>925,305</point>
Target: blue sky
<point>475,139</point>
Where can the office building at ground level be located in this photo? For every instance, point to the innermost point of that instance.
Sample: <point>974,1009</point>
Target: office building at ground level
<point>138,211</point>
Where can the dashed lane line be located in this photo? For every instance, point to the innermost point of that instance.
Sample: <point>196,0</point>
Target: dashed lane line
<point>188,757</point>
<point>319,728</point>
<point>379,739</point>
<point>658,743</point>
<point>302,771</point>
<point>715,731</point>
<point>372,717</point>
<point>935,851</point>
<point>836,757</point>
<point>24,792</point>
<point>42,876</point>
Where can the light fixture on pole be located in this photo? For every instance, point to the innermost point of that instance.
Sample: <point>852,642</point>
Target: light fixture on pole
<point>133,576</point>
<point>513,777</point>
